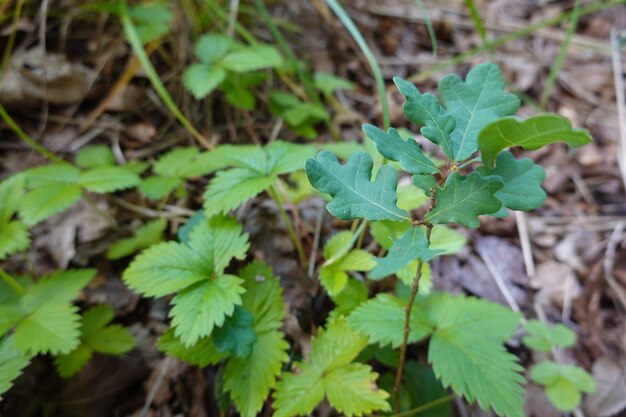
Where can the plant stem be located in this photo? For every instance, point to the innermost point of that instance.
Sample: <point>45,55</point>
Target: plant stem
<point>425,407</point>
<point>275,195</point>
<point>407,326</point>
<point>25,137</point>
<point>369,55</point>
<point>12,282</point>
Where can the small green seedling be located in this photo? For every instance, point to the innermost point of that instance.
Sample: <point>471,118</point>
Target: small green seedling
<point>473,126</point>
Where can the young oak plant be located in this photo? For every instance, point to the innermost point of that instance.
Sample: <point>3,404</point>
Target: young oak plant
<point>473,125</point>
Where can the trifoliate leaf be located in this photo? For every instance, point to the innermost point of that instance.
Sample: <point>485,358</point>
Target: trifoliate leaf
<point>329,83</point>
<point>201,79</point>
<point>349,387</point>
<point>51,328</point>
<point>425,110</point>
<point>14,237</point>
<point>157,187</point>
<point>200,307</point>
<point>147,235</point>
<point>474,104</point>
<point>466,353</point>
<point>464,198</point>
<point>107,179</point>
<point>249,380</point>
<point>354,195</point>
<point>229,189</point>
<point>564,383</point>
<point>102,337</point>
<point>252,58</point>
<point>522,182</point>
<point>412,245</point>
<point>12,361</point>
<point>382,320</point>
<point>544,338</point>
<point>236,335</point>
<point>532,133</point>
<point>202,354</point>
<point>95,156</point>
<point>391,145</point>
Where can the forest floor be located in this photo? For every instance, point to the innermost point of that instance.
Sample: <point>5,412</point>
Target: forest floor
<point>565,261</point>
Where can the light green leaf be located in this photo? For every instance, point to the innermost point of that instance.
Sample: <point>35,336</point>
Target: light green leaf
<point>339,259</point>
<point>10,315</point>
<point>113,340</point>
<point>51,328</point>
<point>95,156</point>
<point>12,361</point>
<point>425,110</point>
<point>151,20</point>
<point>249,380</point>
<point>412,245</point>
<point>202,354</point>
<point>391,145</point>
<point>11,192</point>
<point>474,104</point>
<point>201,79</point>
<point>57,288</point>
<point>382,320</point>
<point>48,200</point>
<point>165,268</point>
<point>464,198</point>
<point>410,197</point>
<point>285,157</point>
<point>229,189</point>
<point>544,338</point>
<point>252,58</point>
<point>51,175</point>
<point>147,235</point>
<point>532,133</point>
<point>213,47</point>
<point>353,294</point>
<point>14,237</point>
<point>354,195</point>
<point>199,308</point>
<point>326,372</point>
<point>447,240</point>
<point>108,179</point>
<point>329,83</point>
<point>157,187</point>
<point>176,162</point>
<point>466,353</point>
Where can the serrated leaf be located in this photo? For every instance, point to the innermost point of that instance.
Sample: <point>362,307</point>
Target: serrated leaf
<point>325,373</point>
<point>113,340</point>
<point>202,354</point>
<point>466,353</point>
<point>285,157</point>
<point>522,180</point>
<point>50,328</point>
<point>146,235</point>
<point>474,104</point>
<point>71,363</point>
<point>12,361</point>
<point>95,156</point>
<point>201,79</point>
<point>165,268</point>
<point>353,294</point>
<point>425,110</point>
<point>11,192</point>
<point>157,187</point>
<point>57,288</point>
<point>354,195</point>
<point>412,245</point>
<point>464,198</point>
<point>229,189</point>
<point>236,336</point>
<point>51,175</point>
<point>382,320</point>
<point>151,20</point>
<point>544,338</point>
<point>176,162</point>
<point>532,133</point>
<point>249,380</point>
<point>41,203</point>
<point>392,146</point>
<point>563,383</point>
<point>14,237</point>
<point>200,307</point>
<point>108,179</point>
<point>252,58</point>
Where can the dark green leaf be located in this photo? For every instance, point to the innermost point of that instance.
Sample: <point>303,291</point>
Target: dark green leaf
<point>236,335</point>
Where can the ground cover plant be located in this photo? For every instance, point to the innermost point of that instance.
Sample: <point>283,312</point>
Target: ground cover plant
<point>296,259</point>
